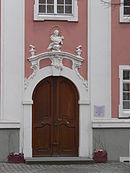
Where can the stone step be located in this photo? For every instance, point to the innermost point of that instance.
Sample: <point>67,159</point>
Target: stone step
<point>58,160</point>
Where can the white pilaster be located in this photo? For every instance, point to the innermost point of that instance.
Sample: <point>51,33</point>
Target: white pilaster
<point>12,59</point>
<point>85,131</point>
<point>12,62</point>
<point>27,129</point>
<point>99,55</point>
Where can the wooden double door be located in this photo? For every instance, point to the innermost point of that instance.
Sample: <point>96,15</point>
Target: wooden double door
<point>55,121</point>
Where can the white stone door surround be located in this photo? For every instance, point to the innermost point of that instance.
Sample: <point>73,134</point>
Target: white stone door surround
<point>58,69</point>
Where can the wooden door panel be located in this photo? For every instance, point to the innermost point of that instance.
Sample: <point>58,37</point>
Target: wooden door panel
<point>67,112</point>
<point>66,100</point>
<point>42,119</point>
<point>42,102</point>
<point>67,141</point>
<point>43,140</point>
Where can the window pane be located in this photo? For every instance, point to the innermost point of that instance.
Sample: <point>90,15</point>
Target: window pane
<point>127,10</point>
<point>60,1</point>
<point>126,7</point>
<point>42,8</point>
<point>126,2</point>
<point>126,75</point>
<point>126,104</point>
<point>68,9</point>
<point>50,1</point>
<point>126,96</point>
<point>126,87</point>
<point>50,8</point>
<point>42,1</point>
<point>60,9</point>
<point>68,1</point>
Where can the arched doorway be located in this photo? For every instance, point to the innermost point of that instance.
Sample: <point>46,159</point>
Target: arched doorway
<point>55,118</point>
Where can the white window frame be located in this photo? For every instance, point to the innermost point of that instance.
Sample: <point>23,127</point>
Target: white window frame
<point>123,18</point>
<point>122,113</point>
<point>42,17</point>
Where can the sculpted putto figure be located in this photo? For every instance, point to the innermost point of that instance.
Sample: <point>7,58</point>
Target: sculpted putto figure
<point>56,41</point>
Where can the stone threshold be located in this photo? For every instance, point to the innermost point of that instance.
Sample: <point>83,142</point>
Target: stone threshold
<point>58,160</point>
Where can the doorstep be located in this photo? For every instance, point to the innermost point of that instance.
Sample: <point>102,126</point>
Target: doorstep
<point>58,160</point>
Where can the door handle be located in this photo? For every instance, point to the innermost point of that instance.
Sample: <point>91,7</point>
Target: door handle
<point>42,123</point>
<point>67,122</point>
<point>59,119</point>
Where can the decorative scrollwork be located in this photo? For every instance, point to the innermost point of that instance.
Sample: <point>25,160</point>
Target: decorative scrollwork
<point>56,56</point>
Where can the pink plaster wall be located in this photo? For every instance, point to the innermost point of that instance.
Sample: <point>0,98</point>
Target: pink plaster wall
<point>38,34</point>
<point>120,55</point>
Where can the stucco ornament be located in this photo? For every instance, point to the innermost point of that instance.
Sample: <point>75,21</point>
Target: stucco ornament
<point>56,41</point>
<point>32,50</point>
<point>56,56</point>
<point>78,50</point>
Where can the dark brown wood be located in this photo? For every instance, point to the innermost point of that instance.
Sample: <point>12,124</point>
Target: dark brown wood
<point>55,122</point>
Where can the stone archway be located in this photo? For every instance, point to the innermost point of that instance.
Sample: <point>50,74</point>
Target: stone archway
<point>58,69</point>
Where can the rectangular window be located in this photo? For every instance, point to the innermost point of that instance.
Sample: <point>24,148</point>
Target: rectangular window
<point>126,7</point>
<point>125,11</point>
<point>124,72</point>
<point>126,89</point>
<point>55,7</point>
<point>56,10</point>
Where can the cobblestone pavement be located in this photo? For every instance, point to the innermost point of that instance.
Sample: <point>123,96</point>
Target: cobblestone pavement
<point>88,168</point>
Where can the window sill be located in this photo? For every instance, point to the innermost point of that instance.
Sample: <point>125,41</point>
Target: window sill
<point>124,114</point>
<point>55,17</point>
<point>125,19</point>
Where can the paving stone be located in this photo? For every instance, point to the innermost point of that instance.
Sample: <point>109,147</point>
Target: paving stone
<point>88,168</point>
